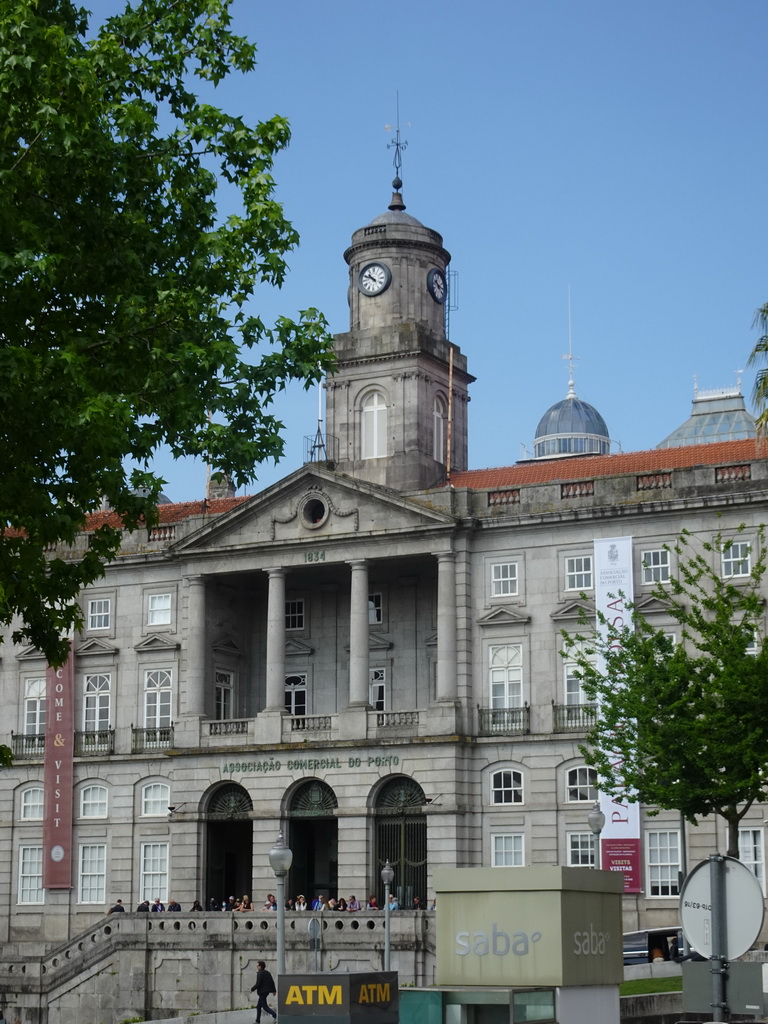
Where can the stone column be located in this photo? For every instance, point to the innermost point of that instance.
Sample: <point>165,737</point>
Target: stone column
<point>358,634</point>
<point>194,703</point>
<point>446,627</point>
<point>276,640</point>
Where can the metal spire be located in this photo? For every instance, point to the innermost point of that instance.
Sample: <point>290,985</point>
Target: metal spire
<point>570,356</point>
<point>398,145</point>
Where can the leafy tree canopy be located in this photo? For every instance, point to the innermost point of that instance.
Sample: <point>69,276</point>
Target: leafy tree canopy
<point>124,294</point>
<point>759,355</point>
<point>683,723</point>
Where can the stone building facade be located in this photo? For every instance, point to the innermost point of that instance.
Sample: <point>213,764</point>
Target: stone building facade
<point>365,655</point>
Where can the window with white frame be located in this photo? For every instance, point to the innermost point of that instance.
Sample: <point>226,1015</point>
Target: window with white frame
<point>506,676</point>
<point>378,688</point>
<point>507,850</point>
<point>31,874</point>
<point>155,798</point>
<point>751,852</point>
<point>154,871</point>
<point>373,426</point>
<point>572,681</point>
<point>439,419</point>
<point>93,802</point>
<point>663,860</point>
<point>159,610</point>
<point>92,874</point>
<point>507,787</point>
<point>223,695</point>
<point>34,706</point>
<point>296,693</point>
<point>158,693</point>
<point>736,558</point>
<point>100,613</point>
<point>581,785</point>
<point>578,572</point>
<point>96,708</point>
<point>294,614</point>
<point>32,804</point>
<point>375,609</point>
<point>581,849</point>
<point>655,565</point>
<point>504,579</point>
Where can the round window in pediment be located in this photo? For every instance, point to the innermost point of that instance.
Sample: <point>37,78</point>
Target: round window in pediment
<point>314,512</point>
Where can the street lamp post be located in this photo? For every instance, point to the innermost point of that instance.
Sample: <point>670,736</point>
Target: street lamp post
<point>596,820</point>
<point>280,860</point>
<point>387,874</point>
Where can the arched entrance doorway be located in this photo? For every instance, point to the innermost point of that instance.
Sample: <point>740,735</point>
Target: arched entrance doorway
<point>228,844</point>
<point>314,839</point>
<point>401,839</point>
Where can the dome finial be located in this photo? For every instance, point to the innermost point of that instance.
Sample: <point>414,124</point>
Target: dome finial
<point>398,146</point>
<point>570,356</point>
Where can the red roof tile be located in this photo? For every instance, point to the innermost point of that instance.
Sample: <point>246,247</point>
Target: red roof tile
<point>657,460</point>
<point>173,512</point>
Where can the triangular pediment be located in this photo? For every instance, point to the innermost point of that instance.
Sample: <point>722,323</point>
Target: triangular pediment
<point>296,647</point>
<point>317,508</point>
<point>157,643</point>
<point>650,605</point>
<point>226,647</point>
<point>503,617</point>
<point>376,642</point>
<point>574,610</point>
<point>31,654</point>
<point>95,646</point>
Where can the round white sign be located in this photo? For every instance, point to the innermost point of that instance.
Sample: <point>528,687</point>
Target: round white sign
<point>743,909</point>
<point>57,853</point>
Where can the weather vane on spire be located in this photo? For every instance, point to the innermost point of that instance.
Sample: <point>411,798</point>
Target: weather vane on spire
<point>398,147</point>
<point>569,355</point>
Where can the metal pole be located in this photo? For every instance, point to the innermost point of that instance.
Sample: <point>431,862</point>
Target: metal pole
<point>719,968</point>
<point>281,924</point>
<point>386,926</point>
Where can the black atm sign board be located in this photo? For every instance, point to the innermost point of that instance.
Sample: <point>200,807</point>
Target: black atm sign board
<point>370,998</point>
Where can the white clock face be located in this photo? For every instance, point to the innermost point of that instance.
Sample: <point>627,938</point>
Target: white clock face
<point>374,279</point>
<point>436,285</point>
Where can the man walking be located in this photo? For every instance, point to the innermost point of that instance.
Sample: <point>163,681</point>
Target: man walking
<point>264,987</point>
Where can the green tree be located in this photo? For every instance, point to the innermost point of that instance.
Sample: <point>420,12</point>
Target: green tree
<point>760,355</point>
<point>125,321</point>
<point>684,725</point>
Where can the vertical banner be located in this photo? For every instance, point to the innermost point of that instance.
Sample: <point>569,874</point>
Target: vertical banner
<point>58,772</point>
<point>620,838</point>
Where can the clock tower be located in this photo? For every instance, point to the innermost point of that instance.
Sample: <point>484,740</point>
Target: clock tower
<point>397,403</point>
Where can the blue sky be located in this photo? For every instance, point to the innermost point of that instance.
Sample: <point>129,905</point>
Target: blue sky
<point>611,147</point>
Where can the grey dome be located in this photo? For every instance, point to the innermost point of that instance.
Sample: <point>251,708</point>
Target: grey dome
<point>571,427</point>
<point>395,217</point>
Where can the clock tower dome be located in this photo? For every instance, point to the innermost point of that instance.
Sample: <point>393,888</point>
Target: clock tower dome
<point>397,402</point>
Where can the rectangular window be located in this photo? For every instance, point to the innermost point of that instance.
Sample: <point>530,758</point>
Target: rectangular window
<point>92,886</point>
<point>663,862</point>
<point>581,849</point>
<point>30,874</point>
<point>506,676</point>
<point>99,612</point>
<point>375,610</point>
<point>296,694</point>
<point>97,701</point>
<point>154,871</point>
<point>157,698</point>
<point>34,706</point>
<point>578,573</point>
<point>159,610</point>
<point>504,579</point>
<point>508,851</point>
<point>223,696</point>
<point>751,852</point>
<point>736,559</point>
<point>294,614</point>
<point>655,566</point>
<point>378,688</point>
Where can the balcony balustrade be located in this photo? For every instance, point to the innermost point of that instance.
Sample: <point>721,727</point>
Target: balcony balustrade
<point>504,721</point>
<point>147,740</point>
<point>573,717</point>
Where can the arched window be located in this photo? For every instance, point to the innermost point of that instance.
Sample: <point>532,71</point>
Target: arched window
<point>374,426</point>
<point>401,838</point>
<point>32,804</point>
<point>93,802</point>
<point>581,785</point>
<point>439,423</point>
<point>155,797</point>
<point>507,787</point>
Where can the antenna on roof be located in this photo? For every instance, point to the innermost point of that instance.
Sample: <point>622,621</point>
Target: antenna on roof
<point>570,356</point>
